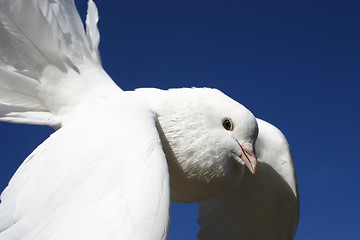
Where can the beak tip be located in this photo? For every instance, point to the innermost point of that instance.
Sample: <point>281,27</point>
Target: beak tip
<point>248,156</point>
<point>254,169</point>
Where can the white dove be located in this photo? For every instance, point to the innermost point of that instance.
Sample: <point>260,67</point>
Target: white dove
<point>117,157</point>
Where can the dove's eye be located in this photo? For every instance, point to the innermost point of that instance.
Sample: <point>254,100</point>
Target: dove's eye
<point>228,124</point>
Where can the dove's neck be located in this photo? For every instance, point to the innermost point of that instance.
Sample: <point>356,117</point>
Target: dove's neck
<point>194,173</point>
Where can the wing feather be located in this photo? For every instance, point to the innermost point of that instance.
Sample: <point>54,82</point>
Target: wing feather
<point>95,178</point>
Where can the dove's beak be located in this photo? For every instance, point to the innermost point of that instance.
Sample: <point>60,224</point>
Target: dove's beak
<point>248,156</point>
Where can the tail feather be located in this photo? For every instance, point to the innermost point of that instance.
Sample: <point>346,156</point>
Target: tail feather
<point>92,31</point>
<point>18,101</point>
<point>18,83</point>
<point>46,59</point>
<point>33,43</point>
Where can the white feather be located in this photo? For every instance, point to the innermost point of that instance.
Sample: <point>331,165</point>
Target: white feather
<point>48,66</point>
<point>92,32</point>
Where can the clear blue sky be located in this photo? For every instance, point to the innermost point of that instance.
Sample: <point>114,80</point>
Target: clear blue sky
<point>295,64</point>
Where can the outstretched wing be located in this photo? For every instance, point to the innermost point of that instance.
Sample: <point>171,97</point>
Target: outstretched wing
<point>264,205</point>
<point>49,66</point>
<point>102,175</point>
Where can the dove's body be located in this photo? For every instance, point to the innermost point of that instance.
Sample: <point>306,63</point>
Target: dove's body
<point>104,174</point>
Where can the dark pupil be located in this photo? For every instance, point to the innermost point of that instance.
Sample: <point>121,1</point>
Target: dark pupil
<point>227,124</point>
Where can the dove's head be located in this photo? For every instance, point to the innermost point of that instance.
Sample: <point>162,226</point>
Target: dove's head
<point>208,139</point>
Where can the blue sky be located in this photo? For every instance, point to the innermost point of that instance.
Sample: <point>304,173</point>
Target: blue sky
<point>295,64</point>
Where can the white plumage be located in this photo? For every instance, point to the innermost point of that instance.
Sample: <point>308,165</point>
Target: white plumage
<point>119,157</point>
